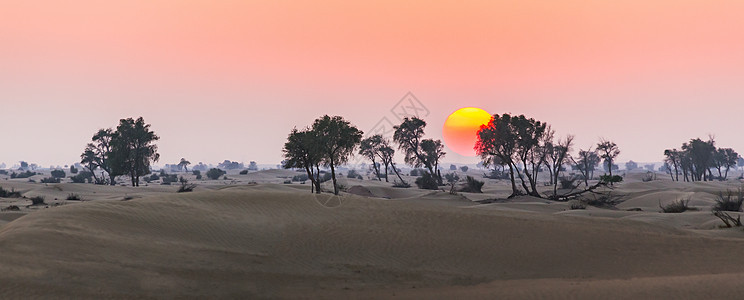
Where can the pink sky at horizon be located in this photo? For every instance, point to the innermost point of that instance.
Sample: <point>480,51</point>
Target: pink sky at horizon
<point>229,79</point>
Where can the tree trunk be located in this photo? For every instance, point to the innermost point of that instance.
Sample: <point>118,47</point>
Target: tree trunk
<point>312,179</point>
<point>377,169</point>
<point>515,192</point>
<point>333,177</point>
<point>386,172</point>
<point>317,179</point>
<point>392,164</point>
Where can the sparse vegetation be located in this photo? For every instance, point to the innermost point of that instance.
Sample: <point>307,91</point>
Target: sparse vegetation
<point>82,177</point>
<point>73,196</point>
<point>215,173</point>
<point>677,206</point>
<point>244,172</point>
<point>576,204</point>
<point>185,186</point>
<point>58,174</point>
<point>427,182</point>
<point>354,174</point>
<point>9,194</point>
<point>50,180</point>
<point>649,176</point>
<point>300,177</point>
<point>472,185</point>
<point>728,202</point>
<point>26,174</point>
<point>452,180</point>
<point>37,200</point>
<point>401,184</point>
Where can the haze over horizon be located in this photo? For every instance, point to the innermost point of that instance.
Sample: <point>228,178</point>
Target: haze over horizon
<point>229,79</point>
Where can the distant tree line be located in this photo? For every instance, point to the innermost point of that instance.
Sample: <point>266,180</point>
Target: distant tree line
<point>697,159</point>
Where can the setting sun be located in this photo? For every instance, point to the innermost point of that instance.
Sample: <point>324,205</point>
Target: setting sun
<point>461,128</point>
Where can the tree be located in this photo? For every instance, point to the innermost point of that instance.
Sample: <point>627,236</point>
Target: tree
<point>301,151</point>
<point>338,139</point>
<point>184,164</point>
<point>631,165</point>
<point>434,152</point>
<point>408,136</point>
<point>133,149</point>
<point>97,155</point>
<point>215,173</point>
<point>556,155</point>
<point>370,148</point>
<point>529,134</point>
<point>725,158</point>
<point>586,163</point>
<point>673,159</point>
<point>496,144</point>
<point>608,151</point>
<point>387,153</point>
<point>702,157</point>
<point>253,166</point>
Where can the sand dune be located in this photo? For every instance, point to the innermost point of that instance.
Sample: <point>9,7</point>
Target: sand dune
<point>276,240</point>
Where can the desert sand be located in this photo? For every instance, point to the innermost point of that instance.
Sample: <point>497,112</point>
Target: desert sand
<point>254,237</point>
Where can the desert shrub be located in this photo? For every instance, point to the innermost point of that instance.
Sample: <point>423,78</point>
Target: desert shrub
<point>354,174</point>
<point>399,184</point>
<point>154,177</point>
<point>38,200</point>
<point>215,173</point>
<point>417,172</point>
<point>452,180</point>
<point>3,172</point>
<point>427,182</point>
<point>168,179</point>
<point>728,203</point>
<point>464,169</point>
<point>677,206</point>
<point>73,170</point>
<point>9,194</point>
<point>12,208</point>
<point>244,172</point>
<point>198,177</point>
<point>50,180</point>
<point>288,181</point>
<point>568,182</point>
<point>604,200</point>
<point>185,186</point>
<point>301,177</point>
<point>496,174</point>
<point>26,174</point>
<point>576,205</point>
<point>650,176</point>
<point>472,185</point>
<point>58,174</point>
<point>610,179</point>
<point>325,177</point>
<point>196,172</point>
<point>82,177</point>
<point>72,196</point>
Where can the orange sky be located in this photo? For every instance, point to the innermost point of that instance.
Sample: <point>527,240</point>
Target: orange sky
<point>240,74</point>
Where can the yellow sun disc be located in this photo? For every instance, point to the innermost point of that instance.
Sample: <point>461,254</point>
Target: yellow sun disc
<point>460,131</point>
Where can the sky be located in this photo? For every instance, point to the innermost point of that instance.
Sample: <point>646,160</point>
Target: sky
<point>229,79</point>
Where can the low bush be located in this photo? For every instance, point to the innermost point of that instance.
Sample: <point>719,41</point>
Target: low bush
<point>728,202</point>
<point>168,179</point>
<point>58,174</point>
<point>244,172</point>
<point>575,204</point>
<point>427,182</point>
<point>354,174</point>
<point>50,180</point>
<point>472,185</point>
<point>73,170</point>
<point>82,177</point>
<point>12,208</point>
<point>198,177</point>
<point>677,206</point>
<point>464,169</point>
<point>38,200</point>
<point>196,172</point>
<point>215,173</point>
<point>401,184</point>
<point>3,172</point>
<point>72,196</point>
<point>568,182</point>
<point>26,174</point>
<point>185,186</point>
<point>301,177</point>
<point>607,179</point>
<point>325,177</point>
<point>288,182</point>
<point>9,194</point>
<point>650,176</point>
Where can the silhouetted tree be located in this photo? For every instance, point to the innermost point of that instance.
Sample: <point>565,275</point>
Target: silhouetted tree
<point>184,164</point>
<point>586,163</point>
<point>387,153</point>
<point>556,155</point>
<point>725,158</point>
<point>133,149</point>
<point>608,151</point>
<point>497,143</point>
<point>97,154</point>
<point>409,136</point>
<point>301,151</point>
<point>673,158</point>
<point>434,152</point>
<point>702,157</point>
<point>338,139</point>
<point>370,148</point>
